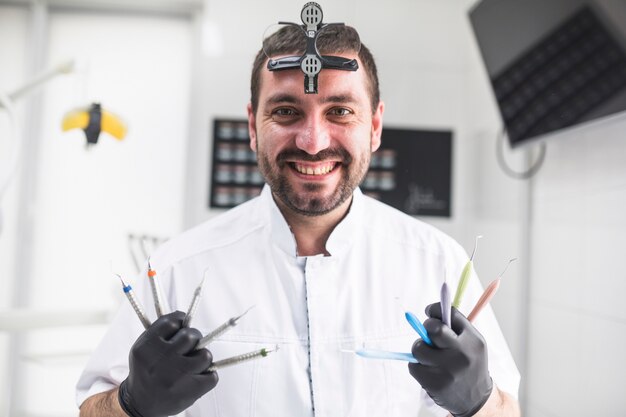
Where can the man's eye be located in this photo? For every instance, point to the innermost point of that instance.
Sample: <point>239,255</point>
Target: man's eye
<point>284,112</point>
<point>340,111</point>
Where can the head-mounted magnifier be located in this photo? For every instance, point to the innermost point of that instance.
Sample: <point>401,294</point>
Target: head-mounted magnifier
<point>311,38</point>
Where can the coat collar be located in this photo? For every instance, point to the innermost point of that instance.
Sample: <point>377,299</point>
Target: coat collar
<point>340,239</point>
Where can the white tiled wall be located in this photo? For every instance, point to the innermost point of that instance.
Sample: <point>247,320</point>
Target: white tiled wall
<point>13,26</point>
<point>578,280</point>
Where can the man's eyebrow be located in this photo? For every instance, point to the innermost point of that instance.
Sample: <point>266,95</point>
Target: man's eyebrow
<point>282,98</point>
<point>340,98</point>
<point>289,98</point>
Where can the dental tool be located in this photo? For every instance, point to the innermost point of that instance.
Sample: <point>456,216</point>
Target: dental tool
<point>156,290</point>
<point>230,323</point>
<point>130,294</point>
<point>488,294</point>
<point>383,354</point>
<point>418,326</point>
<point>446,307</point>
<point>194,304</point>
<point>467,271</point>
<point>261,353</point>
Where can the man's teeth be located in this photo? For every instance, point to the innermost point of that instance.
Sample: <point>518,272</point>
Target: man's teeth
<point>317,170</point>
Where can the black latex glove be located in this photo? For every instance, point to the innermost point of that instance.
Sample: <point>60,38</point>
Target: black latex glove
<point>454,370</point>
<point>166,375</point>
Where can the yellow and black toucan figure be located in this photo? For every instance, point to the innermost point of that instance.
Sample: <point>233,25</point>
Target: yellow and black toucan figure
<point>94,120</point>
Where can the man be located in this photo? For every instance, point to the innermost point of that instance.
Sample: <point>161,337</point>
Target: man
<point>326,269</point>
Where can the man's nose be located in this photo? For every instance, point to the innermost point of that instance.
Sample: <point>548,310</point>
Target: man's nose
<point>314,137</point>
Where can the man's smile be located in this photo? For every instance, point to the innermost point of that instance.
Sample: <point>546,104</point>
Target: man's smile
<point>315,169</point>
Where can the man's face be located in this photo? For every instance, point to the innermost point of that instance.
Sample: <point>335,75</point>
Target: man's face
<point>314,149</point>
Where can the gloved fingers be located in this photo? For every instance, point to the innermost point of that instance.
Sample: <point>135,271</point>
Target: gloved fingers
<point>207,380</point>
<point>433,310</point>
<point>458,321</point>
<point>464,328</point>
<point>153,343</point>
<point>427,355</point>
<point>441,335</point>
<point>197,362</point>
<point>432,379</point>
<point>167,325</point>
<point>184,340</point>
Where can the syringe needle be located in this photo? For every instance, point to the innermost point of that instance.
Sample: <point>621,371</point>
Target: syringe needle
<point>230,323</point>
<point>156,290</point>
<point>261,353</point>
<point>130,294</point>
<point>194,304</point>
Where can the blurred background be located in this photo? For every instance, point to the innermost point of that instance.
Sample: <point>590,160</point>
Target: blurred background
<point>166,71</point>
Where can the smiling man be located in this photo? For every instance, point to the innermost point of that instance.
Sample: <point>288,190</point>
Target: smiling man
<point>328,269</point>
<point>314,149</point>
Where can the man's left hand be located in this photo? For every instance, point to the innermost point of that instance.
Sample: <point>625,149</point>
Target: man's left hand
<point>454,370</point>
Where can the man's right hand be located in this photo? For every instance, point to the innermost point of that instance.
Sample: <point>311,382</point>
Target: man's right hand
<point>166,375</point>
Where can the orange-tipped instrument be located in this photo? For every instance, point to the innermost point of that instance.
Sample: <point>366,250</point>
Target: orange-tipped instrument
<point>488,294</point>
<point>156,290</point>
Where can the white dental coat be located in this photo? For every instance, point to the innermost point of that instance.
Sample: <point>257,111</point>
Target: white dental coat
<point>382,263</point>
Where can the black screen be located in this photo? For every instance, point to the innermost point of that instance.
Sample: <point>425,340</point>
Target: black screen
<point>553,64</point>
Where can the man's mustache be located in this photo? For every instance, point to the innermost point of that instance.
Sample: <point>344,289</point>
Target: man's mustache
<point>335,154</point>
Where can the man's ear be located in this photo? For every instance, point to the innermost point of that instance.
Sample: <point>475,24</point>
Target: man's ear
<point>252,127</point>
<point>377,126</point>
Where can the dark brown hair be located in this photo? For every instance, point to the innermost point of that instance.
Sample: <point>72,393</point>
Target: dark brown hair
<point>335,40</point>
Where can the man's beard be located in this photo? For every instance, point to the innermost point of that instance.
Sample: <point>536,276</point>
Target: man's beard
<point>353,172</point>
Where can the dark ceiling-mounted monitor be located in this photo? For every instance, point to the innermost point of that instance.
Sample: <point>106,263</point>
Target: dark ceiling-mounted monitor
<point>553,64</point>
